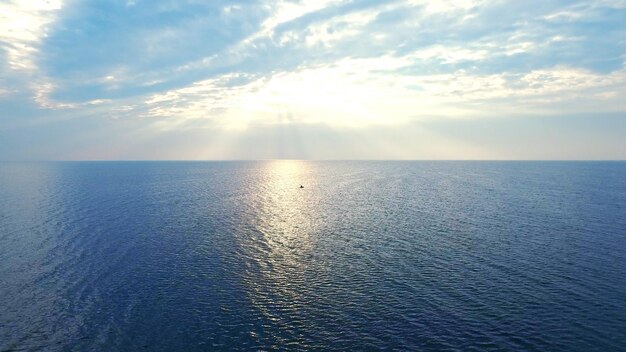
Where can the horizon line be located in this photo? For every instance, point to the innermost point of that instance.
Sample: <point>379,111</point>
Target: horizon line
<point>279,159</point>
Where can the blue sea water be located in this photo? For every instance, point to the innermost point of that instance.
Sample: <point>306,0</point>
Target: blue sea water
<point>420,256</point>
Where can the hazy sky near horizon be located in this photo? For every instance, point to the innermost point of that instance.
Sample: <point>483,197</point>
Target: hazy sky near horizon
<point>324,79</point>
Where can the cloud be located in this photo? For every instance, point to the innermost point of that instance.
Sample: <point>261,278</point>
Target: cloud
<point>23,25</point>
<point>358,92</point>
<point>233,66</point>
<point>444,36</point>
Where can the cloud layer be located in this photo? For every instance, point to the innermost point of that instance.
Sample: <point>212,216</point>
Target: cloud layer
<point>139,72</point>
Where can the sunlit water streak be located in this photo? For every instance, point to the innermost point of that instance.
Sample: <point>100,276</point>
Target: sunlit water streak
<point>165,256</point>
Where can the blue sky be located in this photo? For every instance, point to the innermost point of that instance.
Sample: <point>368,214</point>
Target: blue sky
<point>325,79</point>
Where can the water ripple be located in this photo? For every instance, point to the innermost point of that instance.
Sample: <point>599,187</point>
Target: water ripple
<point>429,256</point>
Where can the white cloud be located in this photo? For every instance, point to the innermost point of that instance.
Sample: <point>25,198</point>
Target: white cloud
<point>284,11</point>
<point>340,64</point>
<point>361,92</point>
<point>452,54</point>
<point>23,24</point>
<point>339,28</point>
<point>559,89</point>
<point>564,16</point>
<point>583,10</point>
<point>344,90</point>
<point>446,6</point>
<point>279,12</point>
<point>42,90</point>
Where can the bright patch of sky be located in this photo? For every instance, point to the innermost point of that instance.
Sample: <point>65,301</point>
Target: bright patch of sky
<point>188,79</point>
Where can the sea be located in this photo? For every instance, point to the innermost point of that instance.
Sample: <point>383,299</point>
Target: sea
<point>365,256</point>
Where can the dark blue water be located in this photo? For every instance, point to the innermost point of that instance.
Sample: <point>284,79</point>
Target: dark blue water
<point>430,256</point>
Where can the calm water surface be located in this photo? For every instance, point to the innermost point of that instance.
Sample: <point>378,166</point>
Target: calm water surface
<point>429,256</point>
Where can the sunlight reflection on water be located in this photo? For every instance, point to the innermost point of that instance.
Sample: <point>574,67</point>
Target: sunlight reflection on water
<point>368,255</point>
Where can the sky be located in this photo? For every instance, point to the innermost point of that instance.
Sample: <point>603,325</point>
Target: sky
<point>323,79</point>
